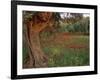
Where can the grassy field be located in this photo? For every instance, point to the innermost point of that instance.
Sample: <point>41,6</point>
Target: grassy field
<point>66,50</point>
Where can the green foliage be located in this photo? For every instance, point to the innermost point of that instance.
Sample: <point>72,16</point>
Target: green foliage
<point>79,26</point>
<point>68,57</point>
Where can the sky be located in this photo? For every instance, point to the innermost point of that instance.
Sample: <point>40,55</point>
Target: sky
<point>63,15</point>
<point>86,15</point>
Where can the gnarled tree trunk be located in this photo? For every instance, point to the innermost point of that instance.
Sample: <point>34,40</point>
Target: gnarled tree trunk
<point>37,58</point>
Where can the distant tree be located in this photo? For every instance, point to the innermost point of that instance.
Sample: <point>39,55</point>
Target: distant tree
<point>80,26</point>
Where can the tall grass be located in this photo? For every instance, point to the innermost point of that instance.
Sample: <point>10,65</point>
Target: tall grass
<point>61,55</point>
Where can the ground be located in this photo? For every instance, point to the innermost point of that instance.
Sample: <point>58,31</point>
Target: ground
<point>64,49</point>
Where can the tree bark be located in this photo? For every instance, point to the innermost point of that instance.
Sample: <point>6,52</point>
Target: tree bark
<point>37,58</point>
